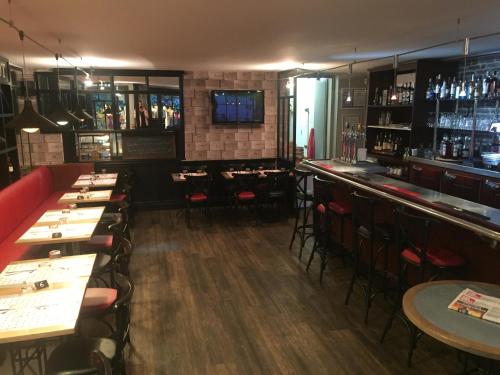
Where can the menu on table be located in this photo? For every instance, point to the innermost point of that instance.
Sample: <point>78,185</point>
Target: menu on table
<point>63,269</point>
<point>98,176</point>
<point>88,196</point>
<point>97,182</point>
<point>62,232</point>
<point>74,215</point>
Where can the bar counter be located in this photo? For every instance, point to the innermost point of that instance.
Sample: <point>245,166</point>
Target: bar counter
<point>467,228</point>
<point>492,173</point>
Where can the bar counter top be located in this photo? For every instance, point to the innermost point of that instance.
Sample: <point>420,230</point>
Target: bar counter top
<point>478,218</point>
<point>456,167</point>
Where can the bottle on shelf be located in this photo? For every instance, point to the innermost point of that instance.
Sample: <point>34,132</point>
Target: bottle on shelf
<point>376,100</point>
<point>443,89</point>
<point>492,89</point>
<point>486,84</point>
<point>437,87</point>
<point>453,88</point>
<point>430,94</point>
<point>411,93</point>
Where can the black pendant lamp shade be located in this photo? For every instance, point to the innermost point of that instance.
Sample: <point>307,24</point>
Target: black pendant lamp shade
<point>82,115</point>
<point>31,121</point>
<point>64,119</point>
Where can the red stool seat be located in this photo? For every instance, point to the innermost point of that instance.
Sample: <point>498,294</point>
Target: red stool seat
<point>118,197</point>
<point>321,208</point>
<point>198,197</point>
<point>98,299</point>
<point>437,257</point>
<point>103,241</point>
<point>340,208</point>
<point>246,195</point>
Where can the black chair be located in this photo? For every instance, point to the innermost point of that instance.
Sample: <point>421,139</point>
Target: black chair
<point>90,362</point>
<point>113,345</point>
<point>245,190</point>
<point>366,229</point>
<point>303,197</point>
<point>275,189</point>
<point>196,193</point>
<point>324,243</point>
<point>413,242</point>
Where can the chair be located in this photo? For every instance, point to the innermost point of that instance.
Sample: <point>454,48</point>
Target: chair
<point>245,190</point>
<point>89,363</point>
<point>302,197</point>
<point>413,242</point>
<point>196,193</point>
<point>69,354</point>
<point>275,189</point>
<point>366,229</point>
<point>324,243</point>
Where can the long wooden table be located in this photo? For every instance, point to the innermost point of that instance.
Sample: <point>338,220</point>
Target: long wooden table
<point>77,225</point>
<point>229,175</point>
<point>181,177</point>
<point>26,314</point>
<point>96,196</point>
<point>96,181</point>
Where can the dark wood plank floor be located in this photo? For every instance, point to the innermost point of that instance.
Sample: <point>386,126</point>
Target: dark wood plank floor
<point>231,299</point>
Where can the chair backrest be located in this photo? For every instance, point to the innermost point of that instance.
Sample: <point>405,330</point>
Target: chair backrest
<point>100,363</point>
<point>413,232</point>
<point>363,211</point>
<point>323,194</point>
<point>277,180</point>
<point>246,181</point>
<point>197,184</point>
<point>301,179</point>
<point>121,306</point>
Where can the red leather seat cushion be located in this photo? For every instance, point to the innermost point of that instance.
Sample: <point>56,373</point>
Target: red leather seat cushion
<point>438,257</point>
<point>340,208</point>
<point>198,197</point>
<point>246,195</point>
<point>118,197</point>
<point>103,241</point>
<point>97,299</point>
<point>321,208</point>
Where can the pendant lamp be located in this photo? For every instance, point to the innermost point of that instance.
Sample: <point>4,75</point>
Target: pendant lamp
<point>29,120</point>
<point>462,94</point>
<point>349,95</point>
<point>61,116</point>
<point>394,95</point>
<point>83,116</point>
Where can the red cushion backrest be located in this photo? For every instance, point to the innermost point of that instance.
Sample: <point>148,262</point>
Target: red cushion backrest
<point>18,200</point>
<point>64,175</point>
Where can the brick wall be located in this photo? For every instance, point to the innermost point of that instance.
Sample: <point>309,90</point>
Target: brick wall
<point>205,141</point>
<point>46,149</point>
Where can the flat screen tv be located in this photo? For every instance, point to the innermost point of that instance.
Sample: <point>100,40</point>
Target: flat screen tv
<point>237,107</point>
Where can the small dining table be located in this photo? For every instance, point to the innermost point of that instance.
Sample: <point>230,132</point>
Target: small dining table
<point>229,175</point>
<point>103,180</point>
<point>426,306</point>
<point>29,315</point>
<point>181,177</point>
<point>95,196</point>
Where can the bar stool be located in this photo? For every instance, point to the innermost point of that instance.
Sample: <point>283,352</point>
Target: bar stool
<point>302,197</point>
<point>324,242</point>
<point>412,238</point>
<point>366,229</point>
<point>197,194</point>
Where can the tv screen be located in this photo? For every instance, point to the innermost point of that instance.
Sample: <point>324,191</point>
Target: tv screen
<point>237,107</point>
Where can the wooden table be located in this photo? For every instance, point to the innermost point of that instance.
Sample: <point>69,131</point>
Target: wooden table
<point>77,225</point>
<point>96,196</point>
<point>229,175</point>
<point>426,306</point>
<point>181,177</point>
<point>95,181</point>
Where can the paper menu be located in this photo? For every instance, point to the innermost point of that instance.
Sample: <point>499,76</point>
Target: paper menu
<point>67,231</point>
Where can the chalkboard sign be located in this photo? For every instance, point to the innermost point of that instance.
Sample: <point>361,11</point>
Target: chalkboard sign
<point>142,146</point>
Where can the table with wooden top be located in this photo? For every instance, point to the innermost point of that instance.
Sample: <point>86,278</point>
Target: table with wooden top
<point>27,315</point>
<point>96,196</point>
<point>76,225</point>
<point>229,175</point>
<point>181,177</point>
<point>105,180</point>
<point>426,306</point>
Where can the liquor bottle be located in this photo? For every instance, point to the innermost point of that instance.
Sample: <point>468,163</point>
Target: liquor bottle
<point>400,92</point>
<point>453,88</point>
<point>442,93</point>
<point>463,91</point>
<point>457,89</point>
<point>465,149</point>
<point>430,94</point>
<point>411,94</point>
<point>375,97</point>
<point>493,86</point>
<point>390,95</point>
<point>486,83</point>
<point>437,88</point>
<point>471,87</point>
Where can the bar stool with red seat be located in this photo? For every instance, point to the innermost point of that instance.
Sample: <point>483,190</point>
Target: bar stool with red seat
<point>245,193</point>
<point>413,241</point>
<point>324,243</point>
<point>366,229</point>
<point>197,194</point>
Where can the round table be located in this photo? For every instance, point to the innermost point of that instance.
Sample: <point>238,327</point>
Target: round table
<point>426,306</point>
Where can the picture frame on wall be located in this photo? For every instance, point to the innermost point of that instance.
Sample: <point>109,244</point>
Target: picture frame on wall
<point>358,96</point>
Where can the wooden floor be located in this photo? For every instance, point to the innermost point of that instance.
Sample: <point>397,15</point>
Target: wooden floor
<point>232,299</point>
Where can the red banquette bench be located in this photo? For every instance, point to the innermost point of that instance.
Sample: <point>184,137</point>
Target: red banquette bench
<point>23,202</point>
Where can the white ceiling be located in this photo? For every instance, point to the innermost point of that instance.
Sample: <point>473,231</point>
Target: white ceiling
<point>237,34</point>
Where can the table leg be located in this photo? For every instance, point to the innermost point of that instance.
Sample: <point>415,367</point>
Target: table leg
<point>23,354</point>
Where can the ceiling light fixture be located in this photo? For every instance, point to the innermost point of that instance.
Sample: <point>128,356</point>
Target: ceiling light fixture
<point>394,95</point>
<point>88,79</point>
<point>60,115</point>
<point>29,120</point>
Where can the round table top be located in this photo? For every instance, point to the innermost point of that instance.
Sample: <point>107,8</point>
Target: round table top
<point>426,306</point>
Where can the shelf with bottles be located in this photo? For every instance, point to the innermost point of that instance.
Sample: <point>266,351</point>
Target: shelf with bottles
<point>462,119</point>
<point>460,147</point>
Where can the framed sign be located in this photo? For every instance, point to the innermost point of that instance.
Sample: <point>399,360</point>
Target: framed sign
<point>358,98</point>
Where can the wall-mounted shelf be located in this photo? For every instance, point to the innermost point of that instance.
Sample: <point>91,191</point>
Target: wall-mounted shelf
<point>390,127</point>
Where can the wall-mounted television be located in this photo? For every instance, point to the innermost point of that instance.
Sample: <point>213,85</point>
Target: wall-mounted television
<point>237,106</point>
